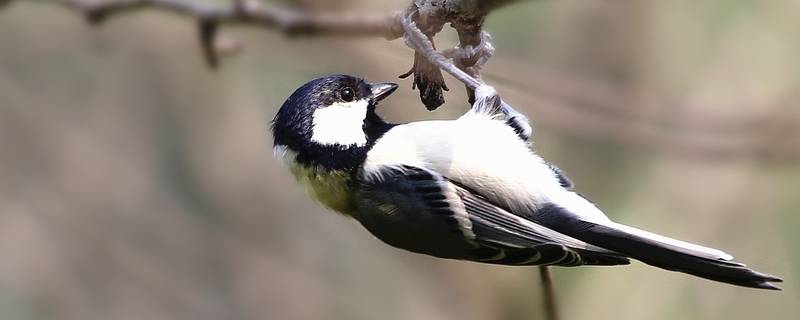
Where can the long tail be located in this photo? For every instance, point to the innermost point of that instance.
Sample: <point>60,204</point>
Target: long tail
<point>658,250</point>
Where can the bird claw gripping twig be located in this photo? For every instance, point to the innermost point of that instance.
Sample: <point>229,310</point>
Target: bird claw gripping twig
<point>487,101</point>
<point>480,53</point>
<point>486,97</point>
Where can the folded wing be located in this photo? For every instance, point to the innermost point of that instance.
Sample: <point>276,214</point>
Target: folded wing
<point>421,211</point>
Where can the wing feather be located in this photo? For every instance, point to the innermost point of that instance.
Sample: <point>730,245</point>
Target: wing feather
<point>422,198</point>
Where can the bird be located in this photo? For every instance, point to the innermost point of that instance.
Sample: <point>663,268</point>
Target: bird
<point>467,189</point>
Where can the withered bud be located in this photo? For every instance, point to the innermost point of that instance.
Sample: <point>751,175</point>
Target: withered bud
<point>429,80</point>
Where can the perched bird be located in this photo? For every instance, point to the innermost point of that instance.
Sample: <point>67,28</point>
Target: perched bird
<point>470,188</point>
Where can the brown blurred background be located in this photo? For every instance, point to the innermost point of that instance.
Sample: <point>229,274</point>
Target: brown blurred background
<point>137,184</point>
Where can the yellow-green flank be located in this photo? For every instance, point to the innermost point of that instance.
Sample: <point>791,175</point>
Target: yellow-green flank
<point>328,187</point>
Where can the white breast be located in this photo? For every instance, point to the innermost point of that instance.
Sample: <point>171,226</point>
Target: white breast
<point>483,154</point>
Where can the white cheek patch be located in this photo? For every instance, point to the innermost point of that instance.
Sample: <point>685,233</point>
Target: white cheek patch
<point>341,123</point>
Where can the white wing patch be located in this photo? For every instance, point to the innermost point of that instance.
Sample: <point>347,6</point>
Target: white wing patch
<point>459,211</point>
<point>341,123</point>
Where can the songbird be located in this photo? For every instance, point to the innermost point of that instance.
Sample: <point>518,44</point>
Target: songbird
<point>470,189</point>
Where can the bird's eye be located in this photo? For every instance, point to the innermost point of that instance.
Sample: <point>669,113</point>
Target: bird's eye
<point>346,94</point>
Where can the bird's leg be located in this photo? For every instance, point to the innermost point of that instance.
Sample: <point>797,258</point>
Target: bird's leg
<point>474,47</point>
<point>489,102</point>
<point>471,59</point>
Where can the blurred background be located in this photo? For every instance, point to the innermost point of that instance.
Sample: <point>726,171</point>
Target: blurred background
<point>135,183</point>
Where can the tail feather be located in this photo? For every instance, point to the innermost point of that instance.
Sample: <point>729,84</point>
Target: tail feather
<point>659,251</point>
<point>691,248</point>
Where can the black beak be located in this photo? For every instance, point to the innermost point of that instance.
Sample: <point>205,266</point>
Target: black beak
<point>382,90</point>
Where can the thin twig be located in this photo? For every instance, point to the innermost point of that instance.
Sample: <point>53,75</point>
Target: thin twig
<point>207,31</point>
<point>550,304</point>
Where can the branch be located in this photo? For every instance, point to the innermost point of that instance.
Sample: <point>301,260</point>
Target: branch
<point>210,16</point>
<point>249,12</point>
<point>465,15</point>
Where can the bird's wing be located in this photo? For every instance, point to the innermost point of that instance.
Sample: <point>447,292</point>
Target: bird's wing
<point>481,153</point>
<point>427,203</point>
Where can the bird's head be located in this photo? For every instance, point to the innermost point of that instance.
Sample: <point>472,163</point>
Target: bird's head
<point>330,121</point>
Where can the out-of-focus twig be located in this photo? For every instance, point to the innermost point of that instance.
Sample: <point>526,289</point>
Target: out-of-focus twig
<point>207,31</point>
<point>550,302</point>
<point>465,15</point>
<point>251,12</point>
<point>210,16</point>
